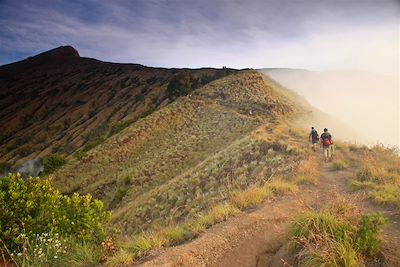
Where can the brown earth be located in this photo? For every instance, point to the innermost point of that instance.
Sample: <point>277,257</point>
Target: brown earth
<point>259,238</point>
<point>57,101</point>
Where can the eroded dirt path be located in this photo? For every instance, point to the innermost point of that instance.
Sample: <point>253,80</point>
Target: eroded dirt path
<point>259,238</point>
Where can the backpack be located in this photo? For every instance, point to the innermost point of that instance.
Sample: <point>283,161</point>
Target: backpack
<point>326,139</point>
<point>327,142</point>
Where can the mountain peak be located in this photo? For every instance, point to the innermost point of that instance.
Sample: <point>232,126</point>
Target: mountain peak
<point>57,55</point>
<point>64,51</point>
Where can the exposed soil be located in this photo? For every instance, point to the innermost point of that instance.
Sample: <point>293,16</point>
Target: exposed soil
<point>259,238</point>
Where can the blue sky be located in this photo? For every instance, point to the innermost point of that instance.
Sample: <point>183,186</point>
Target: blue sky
<point>313,34</point>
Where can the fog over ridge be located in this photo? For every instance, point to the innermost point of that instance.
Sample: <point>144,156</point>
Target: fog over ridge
<point>367,102</point>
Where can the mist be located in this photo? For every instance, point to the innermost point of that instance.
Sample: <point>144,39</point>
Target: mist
<point>366,103</point>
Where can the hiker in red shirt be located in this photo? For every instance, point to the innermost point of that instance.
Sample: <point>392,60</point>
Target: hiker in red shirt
<point>325,143</point>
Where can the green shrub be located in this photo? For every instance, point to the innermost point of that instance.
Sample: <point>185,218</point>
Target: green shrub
<point>335,239</point>
<point>387,195</point>
<point>180,85</point>
<point>35,207</point>
<point>93,143</point>
<point>52,163</point>
<point>80,154</point>
<point>118,126</point>
<point>368,233</point>
<point>339,165</point>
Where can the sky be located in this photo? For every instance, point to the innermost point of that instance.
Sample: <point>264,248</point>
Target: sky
<point>313,34</point>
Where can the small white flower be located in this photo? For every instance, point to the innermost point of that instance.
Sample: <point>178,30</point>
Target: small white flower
<point>19,254</point>
<point>55,257</point>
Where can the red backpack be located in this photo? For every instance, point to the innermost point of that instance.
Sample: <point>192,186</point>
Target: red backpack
<point>327,142</point>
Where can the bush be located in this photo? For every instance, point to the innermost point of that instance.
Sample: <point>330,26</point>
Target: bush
<point>52,163</point>
<point>339,165</point>
<point>93,143</point>
<point>368,232</point>
<point>179,85</point>
<point>34,207</point>
<point>386,195</point>
<point>330,238</point>
<point>118,126</point>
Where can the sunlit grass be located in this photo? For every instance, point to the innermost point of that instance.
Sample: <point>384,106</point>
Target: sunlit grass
<point>339,165</point>
<point>251,197</point>
<point>336,237</point>
<point>308,171</point>
<point>386,195</point>
<point>121,258</point>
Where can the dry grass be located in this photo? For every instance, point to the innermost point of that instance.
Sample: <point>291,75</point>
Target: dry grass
<point>279,187</point>
<point>140,245</point>
<point>308,171</point>
<point>337,236</point>
<point>378,173</point>
<point>251,197</point>
<point>121,258</point>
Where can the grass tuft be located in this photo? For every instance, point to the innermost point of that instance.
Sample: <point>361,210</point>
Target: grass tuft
<point>121,258</point>
<point>358,185</point>
<point>339,165</point>
<point>336,237</point>
<point>251,197</point>
<point>386,195</point>
<point>281,188</point>
<point>84,255</point>
<point>176,235</point>
<point>307,171</point>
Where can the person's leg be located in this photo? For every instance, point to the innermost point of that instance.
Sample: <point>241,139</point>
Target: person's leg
<point>328,153</point>
<point>325,153</point>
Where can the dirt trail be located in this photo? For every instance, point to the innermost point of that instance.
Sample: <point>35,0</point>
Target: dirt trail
<point>258,238</point>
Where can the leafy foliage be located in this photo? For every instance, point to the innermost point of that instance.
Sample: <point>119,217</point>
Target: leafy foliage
<point>35,207</point>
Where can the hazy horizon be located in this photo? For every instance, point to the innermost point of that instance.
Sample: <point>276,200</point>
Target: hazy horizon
<point>314,35</point>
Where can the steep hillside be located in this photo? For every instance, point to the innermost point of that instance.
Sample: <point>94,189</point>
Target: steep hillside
<point>187,156</point>
<point>58,102</point>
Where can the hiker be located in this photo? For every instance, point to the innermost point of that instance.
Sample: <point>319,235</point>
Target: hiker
<point>326,143</point>
<point>313,137</point>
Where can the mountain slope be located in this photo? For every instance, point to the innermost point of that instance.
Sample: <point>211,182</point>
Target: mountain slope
<point>178,158</point>
<point>58,102</point>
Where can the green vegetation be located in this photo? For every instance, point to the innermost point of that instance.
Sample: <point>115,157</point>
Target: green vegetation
<point>339,165</point>
<point>118,126</point>
<point>254,195</point>
<point>251,197</point>
<point>180,85</point>
<point>52,163</point>
<point>336,237</point>
<point>34,214</point>
<point>378,173</point>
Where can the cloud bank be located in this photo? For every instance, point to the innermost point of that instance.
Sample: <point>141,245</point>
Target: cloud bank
<point>310,34</point>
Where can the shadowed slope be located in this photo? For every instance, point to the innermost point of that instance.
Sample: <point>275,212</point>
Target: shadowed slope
<point>58,102</point>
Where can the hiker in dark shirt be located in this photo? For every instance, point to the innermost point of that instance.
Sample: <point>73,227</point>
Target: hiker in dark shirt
<point>326,143</point>
<point>313,137</point>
